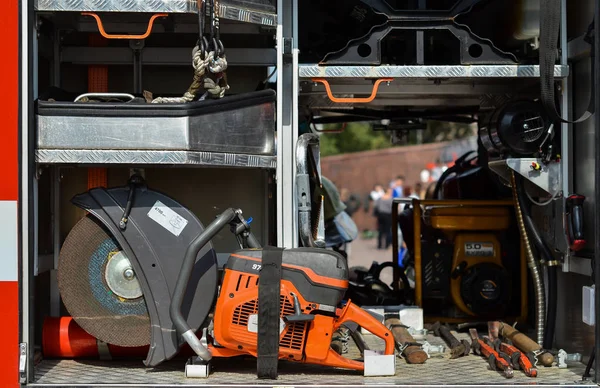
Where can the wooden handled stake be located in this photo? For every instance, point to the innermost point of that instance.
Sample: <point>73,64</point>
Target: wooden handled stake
<point>413,354</point>
<point>525,344</point>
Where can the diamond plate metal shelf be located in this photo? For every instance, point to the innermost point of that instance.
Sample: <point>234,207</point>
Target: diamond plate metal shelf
<point>144,157</point>
<point>227,10</point>
<point>475,71</point>
<point>438,370</point>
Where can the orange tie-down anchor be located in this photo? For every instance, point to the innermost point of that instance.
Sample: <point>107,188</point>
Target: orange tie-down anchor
<point>118,36</point>
<point>352,100</point>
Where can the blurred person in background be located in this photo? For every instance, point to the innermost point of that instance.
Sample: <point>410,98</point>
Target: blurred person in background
<point>419,190</point>
<point>408,192</point>
<point>383,210</point>
<point>377,192</point>
<point>425,176</point>
<point>351,201</point>
<point>397,187</point>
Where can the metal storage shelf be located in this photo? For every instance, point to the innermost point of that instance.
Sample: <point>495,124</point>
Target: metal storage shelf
<point>146,157</point>
<point>454,72</point>
<point>439,369</point>
<point>227,10</point>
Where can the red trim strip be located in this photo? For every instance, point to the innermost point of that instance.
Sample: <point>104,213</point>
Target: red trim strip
<point>9,101</point>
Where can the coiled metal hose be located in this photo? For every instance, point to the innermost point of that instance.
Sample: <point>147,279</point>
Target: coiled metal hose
<point>538,283</point>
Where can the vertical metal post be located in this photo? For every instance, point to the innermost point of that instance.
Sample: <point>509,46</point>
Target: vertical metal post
<point>54,293</point>
<point>26,177</point>
<point>136,47</point>
<point>420,47</point>
<point>566,129</point>
<point>596,74</point>
<point>34,58</point>
<point>287,122</point>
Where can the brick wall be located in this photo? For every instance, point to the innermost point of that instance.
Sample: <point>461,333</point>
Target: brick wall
<point>359,172</point>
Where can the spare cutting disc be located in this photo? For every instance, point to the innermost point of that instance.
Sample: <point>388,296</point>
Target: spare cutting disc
<point>99,287</point>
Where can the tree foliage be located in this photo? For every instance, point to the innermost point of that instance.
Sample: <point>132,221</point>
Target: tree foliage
<point>358,137</point>
<point>355,137</point>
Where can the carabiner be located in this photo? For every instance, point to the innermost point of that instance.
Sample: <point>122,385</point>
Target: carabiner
<point>219,48</point>
<point>202,44</point>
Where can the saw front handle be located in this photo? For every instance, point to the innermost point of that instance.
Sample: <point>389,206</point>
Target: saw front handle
<point>318,348</point>
<point>232,217</point>
<point>353,313</point>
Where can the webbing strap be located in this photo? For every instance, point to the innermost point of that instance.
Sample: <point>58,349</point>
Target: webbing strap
<point>549,33</point>
<point>268,313</point>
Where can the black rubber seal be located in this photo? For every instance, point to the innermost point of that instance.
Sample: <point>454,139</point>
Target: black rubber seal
<point>135,109</point>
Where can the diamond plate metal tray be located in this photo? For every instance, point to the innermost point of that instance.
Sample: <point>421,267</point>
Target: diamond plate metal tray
<point>438,370</point>
<point>257,14</point>
<point>143,157</point>
<point>459,71</point>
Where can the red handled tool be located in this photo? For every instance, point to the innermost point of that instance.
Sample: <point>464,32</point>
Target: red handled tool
<point>574,221</point>
<point>519,360</point>
<point>497,360</point>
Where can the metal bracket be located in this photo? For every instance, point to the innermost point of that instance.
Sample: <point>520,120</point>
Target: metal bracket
<point>563,357</point>
<point>417,333</point>
<point>547,177</point>
<point>432,349</point>
<point>38,172</point>
<point>197,368</point>
<point>23,363</point>
<point>137,171</point>
<point>287,47</point>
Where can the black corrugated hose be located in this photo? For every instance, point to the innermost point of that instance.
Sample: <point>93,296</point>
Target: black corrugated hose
<point>551,270</point>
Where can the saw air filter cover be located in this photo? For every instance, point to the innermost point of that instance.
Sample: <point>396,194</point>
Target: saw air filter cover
<point>99,288</point>
<point>518,128</point>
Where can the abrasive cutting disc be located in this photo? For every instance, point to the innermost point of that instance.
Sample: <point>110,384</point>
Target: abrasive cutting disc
<point>99,287</point>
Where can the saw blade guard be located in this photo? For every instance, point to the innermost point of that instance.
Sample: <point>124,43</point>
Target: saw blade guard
<point>148,250</point>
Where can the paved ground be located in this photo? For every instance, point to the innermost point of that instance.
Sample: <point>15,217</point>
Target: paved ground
<point>364,252</point>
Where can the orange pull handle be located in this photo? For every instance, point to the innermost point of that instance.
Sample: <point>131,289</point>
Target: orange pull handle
<point>351,100</point>
<point>353,313</point>
<point>116,36</point>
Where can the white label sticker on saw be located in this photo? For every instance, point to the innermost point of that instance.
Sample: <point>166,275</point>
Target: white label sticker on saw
<point>167,218</point>
<point>253,324</point>
<point>479,249</point>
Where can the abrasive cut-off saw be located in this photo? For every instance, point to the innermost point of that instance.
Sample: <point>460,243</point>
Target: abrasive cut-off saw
<point>140,269</point>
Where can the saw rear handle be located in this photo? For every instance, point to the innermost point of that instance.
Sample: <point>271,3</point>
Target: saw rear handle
<point>240,227</point>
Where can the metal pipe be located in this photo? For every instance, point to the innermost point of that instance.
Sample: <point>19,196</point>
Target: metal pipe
<point>417,235</point>
<point>538,284</point>
<point>303,147</point>
<point>548,260</point>
<point>596,75</point>
<point>184,277</point>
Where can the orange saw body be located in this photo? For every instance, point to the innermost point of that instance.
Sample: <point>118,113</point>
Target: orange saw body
<point>313,283</point>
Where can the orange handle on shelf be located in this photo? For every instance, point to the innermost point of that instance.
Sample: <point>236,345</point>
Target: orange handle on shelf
<point>117,36</point>
<point>353,313</point>
<point>351,100</point>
